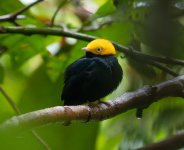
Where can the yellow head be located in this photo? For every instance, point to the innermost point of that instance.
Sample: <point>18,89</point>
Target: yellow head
<point>100,47</point>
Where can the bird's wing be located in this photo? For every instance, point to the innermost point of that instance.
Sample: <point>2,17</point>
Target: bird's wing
<point>82,75</point>
<point>86,69</point>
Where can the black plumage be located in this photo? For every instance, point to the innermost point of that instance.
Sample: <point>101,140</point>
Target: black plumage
<point>90,78</point>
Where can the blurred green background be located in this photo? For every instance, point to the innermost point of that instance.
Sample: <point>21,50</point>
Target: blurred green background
<point>32,69</point>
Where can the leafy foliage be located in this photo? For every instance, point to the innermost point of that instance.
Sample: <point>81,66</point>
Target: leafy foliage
<point>32,69</point>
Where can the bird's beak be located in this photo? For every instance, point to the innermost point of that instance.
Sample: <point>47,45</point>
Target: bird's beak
<point>85,49</point>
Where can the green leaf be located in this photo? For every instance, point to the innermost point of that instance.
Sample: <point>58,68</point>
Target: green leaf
<point>21,48</point>
<point>9,6</point>
<point>105,9</point>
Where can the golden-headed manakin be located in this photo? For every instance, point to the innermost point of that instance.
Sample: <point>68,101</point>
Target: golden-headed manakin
<point>92,76</point>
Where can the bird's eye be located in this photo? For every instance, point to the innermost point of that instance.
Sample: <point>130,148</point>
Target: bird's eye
<point>99,49</point>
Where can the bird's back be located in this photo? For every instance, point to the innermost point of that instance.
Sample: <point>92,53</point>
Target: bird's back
<point>91,78</point>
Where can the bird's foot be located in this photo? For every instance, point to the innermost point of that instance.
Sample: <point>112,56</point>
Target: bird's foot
<point>103,102</point>
<point>95,104</point>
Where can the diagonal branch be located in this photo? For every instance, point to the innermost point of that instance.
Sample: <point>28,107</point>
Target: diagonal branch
<point>146,57</point>
<point>172,143</point>
<point>136,55</point>
<point>70,114</point>
<point>164,68</point>
<point>10,101</point>
<point>56,12</point>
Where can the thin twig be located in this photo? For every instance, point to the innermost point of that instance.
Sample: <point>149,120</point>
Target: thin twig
<point>56,12</point>
<point>37,136</point>
<point>95,27</point>
<point>164,68</point>
<point>13,16</point>
<point>10,101</point>
<point>27,7</point>
<point>18,112</point>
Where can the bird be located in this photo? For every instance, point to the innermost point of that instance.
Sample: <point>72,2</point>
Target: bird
<point>93,76</point>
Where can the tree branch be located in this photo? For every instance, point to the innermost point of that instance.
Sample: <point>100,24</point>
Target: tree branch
<point>172,143</point>
<point>45,31</point>
<point>137,55</point>
<point>69,114</point>
<point>146,57</point>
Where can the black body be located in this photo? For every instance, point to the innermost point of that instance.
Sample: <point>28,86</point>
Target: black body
<point>90,78</point>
